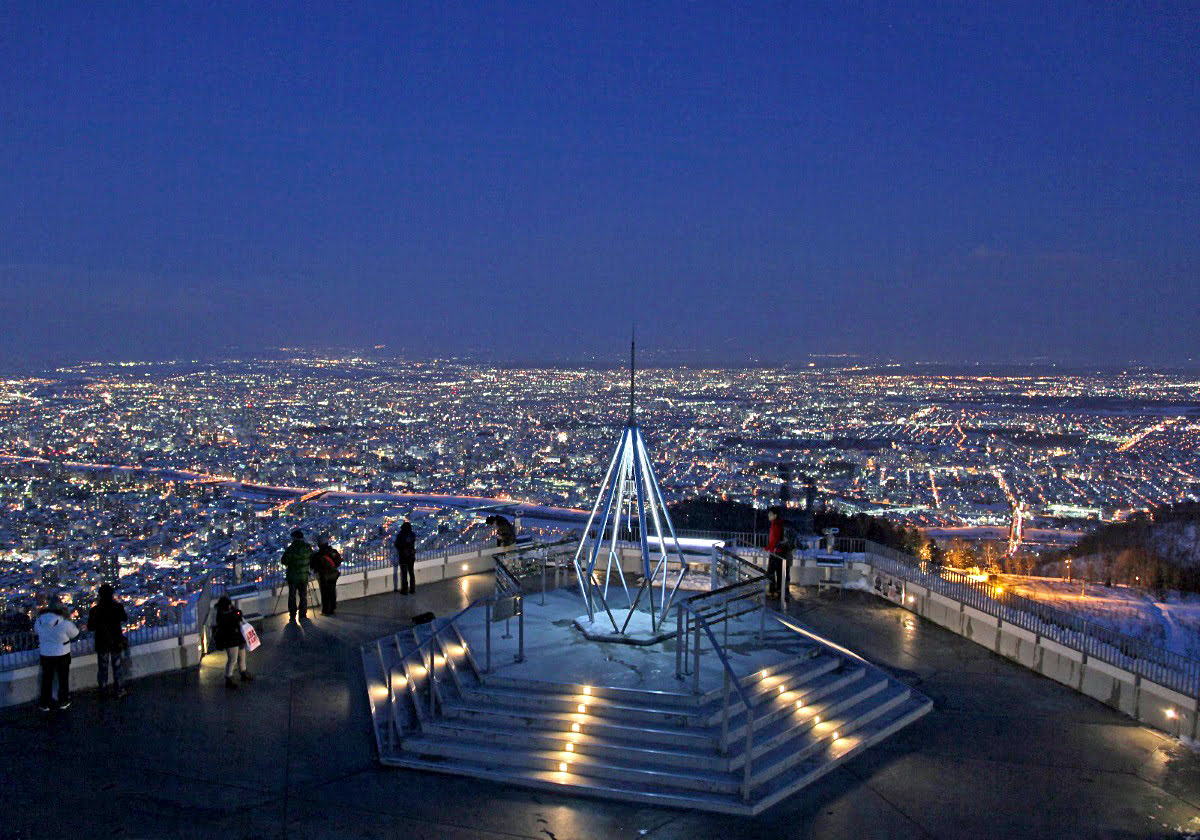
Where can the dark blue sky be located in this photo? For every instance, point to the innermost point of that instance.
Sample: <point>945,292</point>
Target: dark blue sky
<point>760,181</point>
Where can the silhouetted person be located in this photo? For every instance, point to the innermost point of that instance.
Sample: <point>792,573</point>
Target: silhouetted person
<point>324,563</point>
<point>104,620</point>
<point>227,636</point>
<point>406,554</point>
<point>296,558</point>
<point>506,535</point>
<point>779,550</point>
<point>55,632</point>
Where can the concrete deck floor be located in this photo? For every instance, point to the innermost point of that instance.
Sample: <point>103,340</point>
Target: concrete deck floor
<point>1005,753</point>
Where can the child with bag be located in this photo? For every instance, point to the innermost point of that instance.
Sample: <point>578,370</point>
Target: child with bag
<point>230,635</point>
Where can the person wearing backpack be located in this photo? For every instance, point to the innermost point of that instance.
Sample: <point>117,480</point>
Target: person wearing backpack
<point>55,632</point>
<point>227,636</point>
<point>104,621</point>
<point>780,542</point>
<point>324,563</point>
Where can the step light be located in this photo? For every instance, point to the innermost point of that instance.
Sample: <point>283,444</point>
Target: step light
<point>562,767</point>
<point>835,736</point>
<point>582,708</point>
<point>587,689</point>
<point>570,747</point>
<point>574,727</point>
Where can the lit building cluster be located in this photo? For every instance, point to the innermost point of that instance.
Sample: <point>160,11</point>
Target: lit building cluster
<point>920,447</point>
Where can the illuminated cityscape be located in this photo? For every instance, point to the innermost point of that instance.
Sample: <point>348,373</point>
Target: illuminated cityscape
<point>133,470</point>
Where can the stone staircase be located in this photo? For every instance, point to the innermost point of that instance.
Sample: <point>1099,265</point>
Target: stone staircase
<point>811,711</point>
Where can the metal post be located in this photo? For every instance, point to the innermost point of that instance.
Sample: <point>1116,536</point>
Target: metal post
<point>725,638</point>
<point>762,614</point>
<point>712,569</point>
<point>679,643</point>
<point>749,754</point>
<point>507,632</point>
<point>725,713</point>
<point>544,561</point>
<point>696,661</point>
<point>487,635</point>
<point>521,630</point>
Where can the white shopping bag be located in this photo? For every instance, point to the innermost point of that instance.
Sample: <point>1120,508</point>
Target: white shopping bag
<point>251,637</point>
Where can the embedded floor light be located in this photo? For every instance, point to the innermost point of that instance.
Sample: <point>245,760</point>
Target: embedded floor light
<point>574,727</point>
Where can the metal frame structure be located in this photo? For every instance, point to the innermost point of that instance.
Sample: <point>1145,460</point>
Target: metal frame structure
<point>631,509</point>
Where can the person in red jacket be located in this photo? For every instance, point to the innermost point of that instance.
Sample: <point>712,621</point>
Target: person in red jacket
<point>777,551</point>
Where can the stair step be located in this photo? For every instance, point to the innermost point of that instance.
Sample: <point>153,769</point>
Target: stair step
<point>664,699</point>
<point>664,775</point>
<point>532,720</point>
<point>597,707</point>
<point>560,782</point>
<point>821,691</point>
<point>698,757</point>
<point>812,740</point>
<point>816,766</point>
<point>763,691</point>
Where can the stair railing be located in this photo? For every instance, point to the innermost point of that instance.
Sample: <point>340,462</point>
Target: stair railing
<point>728,677</point>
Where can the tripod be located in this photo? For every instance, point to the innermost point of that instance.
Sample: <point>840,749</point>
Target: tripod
<point>313,600</point>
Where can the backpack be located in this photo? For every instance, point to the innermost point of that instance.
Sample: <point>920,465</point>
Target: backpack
<point>787,541</point>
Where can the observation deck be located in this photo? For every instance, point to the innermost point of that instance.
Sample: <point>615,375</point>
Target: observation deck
<point>1005,752</point>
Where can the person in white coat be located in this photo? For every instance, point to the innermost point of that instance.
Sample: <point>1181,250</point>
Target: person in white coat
<point>55,632</point>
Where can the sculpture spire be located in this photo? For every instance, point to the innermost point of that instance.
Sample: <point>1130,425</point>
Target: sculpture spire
<point>632,368</point>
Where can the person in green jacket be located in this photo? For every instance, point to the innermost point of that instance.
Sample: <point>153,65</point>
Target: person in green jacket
<point>296,558</point>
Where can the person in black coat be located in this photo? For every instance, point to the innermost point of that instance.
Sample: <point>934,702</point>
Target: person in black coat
<point>506,534</point>
<point>104,620</point>
<point>324,563</point>
<point>227,636</point>
<point>406,553</point>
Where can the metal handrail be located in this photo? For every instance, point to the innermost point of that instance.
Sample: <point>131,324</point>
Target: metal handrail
<point>506,581</point>
<point>728,676</point>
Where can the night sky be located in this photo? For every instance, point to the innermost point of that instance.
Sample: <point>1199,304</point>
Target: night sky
<point>751,182</point>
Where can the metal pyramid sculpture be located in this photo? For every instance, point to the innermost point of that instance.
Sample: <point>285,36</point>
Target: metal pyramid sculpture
<point>629,509</point>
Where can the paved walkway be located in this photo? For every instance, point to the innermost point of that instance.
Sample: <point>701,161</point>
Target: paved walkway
<point>1005,753</point>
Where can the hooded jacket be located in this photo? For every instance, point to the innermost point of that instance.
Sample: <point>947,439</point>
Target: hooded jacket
<point>295,560</point>
<point>54,632</point>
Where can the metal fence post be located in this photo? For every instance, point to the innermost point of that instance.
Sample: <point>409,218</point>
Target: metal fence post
<point>521,630</point>
<point>678,642</point>
<point>487,635</point>
<point>725,714</point>
<point>696,661</point>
